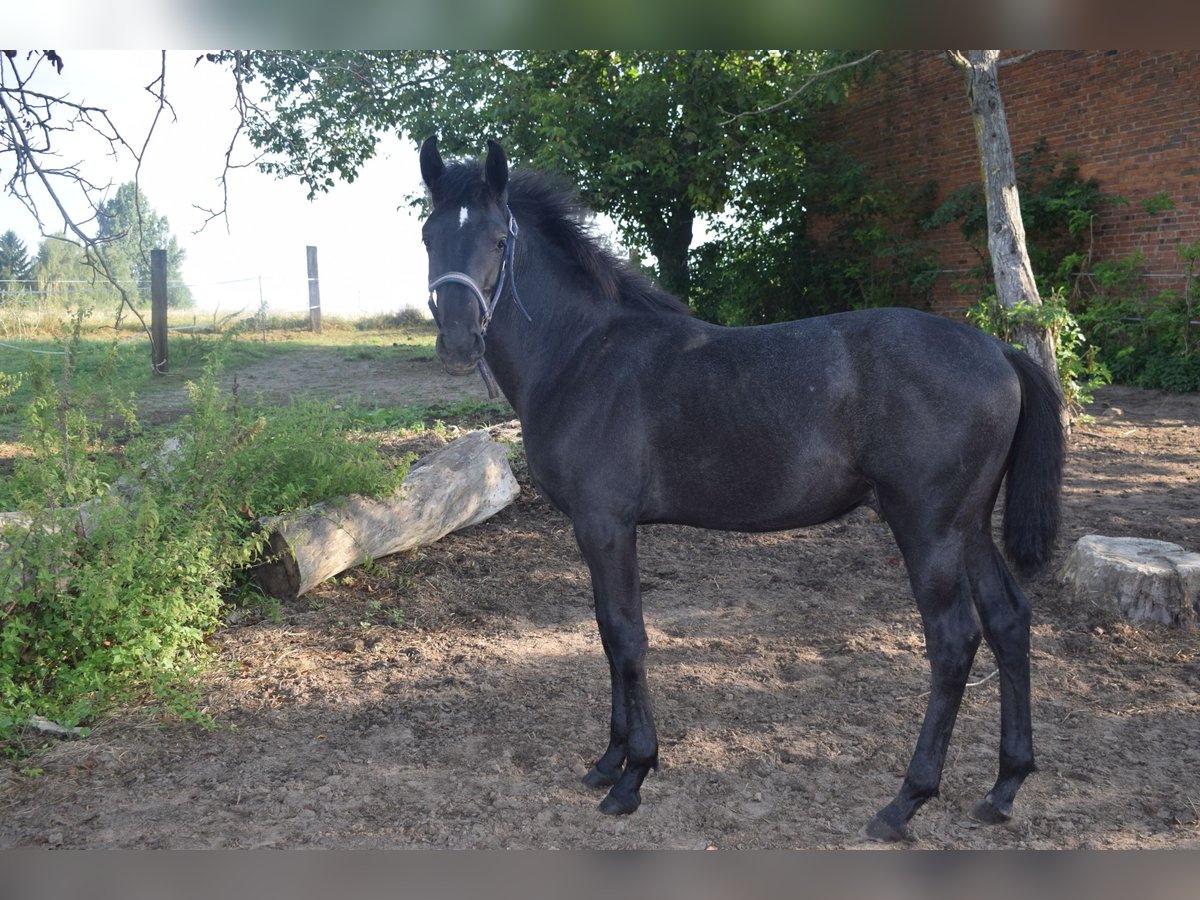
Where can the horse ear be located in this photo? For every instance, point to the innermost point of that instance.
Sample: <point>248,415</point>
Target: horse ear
<point>496,169</point>
<point>432,166</point>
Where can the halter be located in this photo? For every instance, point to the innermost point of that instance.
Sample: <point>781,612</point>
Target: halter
<point>506,275</point>
<point>486,309</point>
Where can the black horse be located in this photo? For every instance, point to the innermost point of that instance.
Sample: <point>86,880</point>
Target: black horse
<point>634,412</point>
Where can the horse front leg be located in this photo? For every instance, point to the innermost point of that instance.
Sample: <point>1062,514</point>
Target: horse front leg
<point>609,766</point>
<point>610,549</point>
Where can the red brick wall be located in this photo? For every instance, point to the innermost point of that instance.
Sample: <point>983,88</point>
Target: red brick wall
<point>1132,119</point>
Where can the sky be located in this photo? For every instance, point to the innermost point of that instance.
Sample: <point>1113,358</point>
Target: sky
<point>367,237</point>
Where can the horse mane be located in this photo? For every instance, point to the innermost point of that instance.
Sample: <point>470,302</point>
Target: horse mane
<point>541,202</point>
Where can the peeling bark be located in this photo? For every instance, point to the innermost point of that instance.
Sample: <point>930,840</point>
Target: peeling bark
<point>1011,267</point>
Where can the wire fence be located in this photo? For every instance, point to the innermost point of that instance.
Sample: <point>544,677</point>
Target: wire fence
<point>258,302</point>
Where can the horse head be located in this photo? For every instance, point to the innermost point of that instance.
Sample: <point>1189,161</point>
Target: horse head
<point>470,237</point>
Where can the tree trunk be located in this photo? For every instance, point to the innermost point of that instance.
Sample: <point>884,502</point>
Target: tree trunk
<point>1006,232</point>
<point>670,244</point>
<point>460,485</point>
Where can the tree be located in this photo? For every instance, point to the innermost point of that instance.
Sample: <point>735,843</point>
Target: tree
<point>130,229</point>
<point>32,122</point>
<point>61,264</point>
<point>647,136</point>
<point>16,269</point>
<point>1015,284</point>
<point>788,193</point>
<point>765,262</point>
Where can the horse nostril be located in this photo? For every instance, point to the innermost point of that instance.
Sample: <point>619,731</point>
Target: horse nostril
<point>460,348</point>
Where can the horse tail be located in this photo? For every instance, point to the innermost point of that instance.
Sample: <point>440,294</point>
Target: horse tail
<point>1035,467</point>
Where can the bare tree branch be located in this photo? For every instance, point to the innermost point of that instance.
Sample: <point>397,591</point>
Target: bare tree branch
<point>245,108</point>
<point>32,120</point>
<point>808,82</point>
<point>958,59</point>
<point>1013,60</point>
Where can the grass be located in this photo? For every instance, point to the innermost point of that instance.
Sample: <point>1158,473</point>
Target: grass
<point>423,416</point>
<point>378,338</point>
<point>188,351</point>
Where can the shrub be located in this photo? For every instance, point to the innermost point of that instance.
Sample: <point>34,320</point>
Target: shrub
<point>133,546</point>
<point>1114,326</point>
<point>1079,368</point>
<point>1149,340</point>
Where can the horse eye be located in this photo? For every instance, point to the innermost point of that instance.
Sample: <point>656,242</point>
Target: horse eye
<point>502,244</point>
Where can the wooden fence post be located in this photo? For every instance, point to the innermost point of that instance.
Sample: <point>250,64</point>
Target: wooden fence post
<point>158,310</point>
<point>314,293</point>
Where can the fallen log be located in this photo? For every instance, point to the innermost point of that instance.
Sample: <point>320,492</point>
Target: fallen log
<point>459,485</point>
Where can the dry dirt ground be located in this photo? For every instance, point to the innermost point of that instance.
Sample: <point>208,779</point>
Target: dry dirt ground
<point>453,697</point>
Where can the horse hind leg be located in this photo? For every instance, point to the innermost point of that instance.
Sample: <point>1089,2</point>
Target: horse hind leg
<point>1005,615</point>
<point>952,637</point>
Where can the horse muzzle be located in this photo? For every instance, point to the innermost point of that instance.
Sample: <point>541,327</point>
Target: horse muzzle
<point>460,355</point>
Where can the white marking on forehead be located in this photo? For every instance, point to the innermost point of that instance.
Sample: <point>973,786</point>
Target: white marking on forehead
<point>462,217</point>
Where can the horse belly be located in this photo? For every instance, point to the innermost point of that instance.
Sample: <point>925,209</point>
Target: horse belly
<point>759,492</point>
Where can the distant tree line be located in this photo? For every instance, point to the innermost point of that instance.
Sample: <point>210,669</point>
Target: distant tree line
<point>61,271</point>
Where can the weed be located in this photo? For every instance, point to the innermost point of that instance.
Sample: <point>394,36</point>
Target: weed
<point>133,547</point>
<point>1079,369</point>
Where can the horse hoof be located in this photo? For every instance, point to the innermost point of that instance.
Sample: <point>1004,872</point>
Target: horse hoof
<point>613,805</point>
<point>598,780</point>
<point>879,829</point>
<point>987,812</point>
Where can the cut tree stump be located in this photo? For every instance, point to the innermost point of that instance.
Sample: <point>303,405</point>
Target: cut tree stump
<point>459,485</point>
<point>1141,580</point>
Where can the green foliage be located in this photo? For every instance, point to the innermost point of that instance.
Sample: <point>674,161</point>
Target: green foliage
<point>121,364</point>
<point>766,266</point>
<point>1058,207</point>
<point>1132,335</point>
<point>9,383</point>
<point>649,137</point>
<point>16,268</point>
<point>61,268</point>
<point>1079,367</point>
<point>131,547</point>
<point>129,229</point>
<point>1156,203</point>
<point>301,456</point>
<point>1146,338</point>
<point>422,416</point>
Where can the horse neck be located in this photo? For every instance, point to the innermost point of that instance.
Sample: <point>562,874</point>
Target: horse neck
<point>527,357</point>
